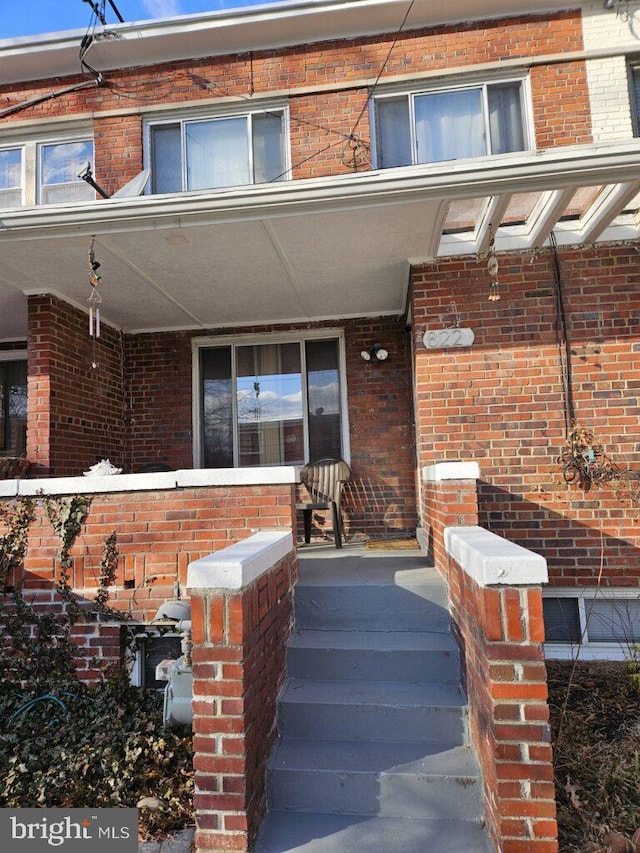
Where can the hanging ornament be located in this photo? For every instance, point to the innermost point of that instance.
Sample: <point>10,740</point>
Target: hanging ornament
<point>492,269</point>
<point>94,299</point>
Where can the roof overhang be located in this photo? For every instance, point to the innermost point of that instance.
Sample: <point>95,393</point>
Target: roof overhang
<point>307,250</point>
<point>241,30</point>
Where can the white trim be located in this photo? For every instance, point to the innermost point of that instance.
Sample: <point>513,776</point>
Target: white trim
<point>491,560</point>
<point>13,355</point>
<point>441,471</point>
<point>236,566</point>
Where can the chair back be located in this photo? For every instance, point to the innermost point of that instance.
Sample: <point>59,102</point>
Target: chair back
<point>325,478</point>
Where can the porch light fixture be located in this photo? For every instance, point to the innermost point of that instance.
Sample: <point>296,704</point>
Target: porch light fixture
<point>376,351</point>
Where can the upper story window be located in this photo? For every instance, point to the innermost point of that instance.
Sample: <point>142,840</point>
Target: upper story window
<point>44,172</point>
<point>220,151</point>
<point>450,124</point>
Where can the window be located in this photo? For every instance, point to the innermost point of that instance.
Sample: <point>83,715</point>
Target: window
<point>428,127</point>
<point>11,177</point>
<point>605,625</point>
<point>634,76</point>
<point>44,172</point>
<point>221,151</point>
<point>13,407</point>
<point>271,402</point>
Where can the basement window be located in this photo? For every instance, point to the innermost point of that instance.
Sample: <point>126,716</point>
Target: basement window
<point>598,623</point>
<point>152,647</point>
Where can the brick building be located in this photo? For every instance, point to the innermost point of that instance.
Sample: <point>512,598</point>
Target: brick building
<point>459,186</point>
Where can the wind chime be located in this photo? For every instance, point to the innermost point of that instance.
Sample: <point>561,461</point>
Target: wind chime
<point>492,269</point>
<point>94,299</point>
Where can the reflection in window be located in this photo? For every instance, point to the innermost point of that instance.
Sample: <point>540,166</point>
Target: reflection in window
<point>11,177</point>
<point>60,165</point>
<point>270,404</point>
<point>13,407</point>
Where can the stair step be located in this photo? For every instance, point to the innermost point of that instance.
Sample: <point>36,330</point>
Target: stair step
<point>386,711</point>
<point>373,655</point>
<point>407,600</point>
<point>322,833</point>
<point>384,779</point>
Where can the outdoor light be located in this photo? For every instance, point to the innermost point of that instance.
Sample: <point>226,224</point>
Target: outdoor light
<point>376,351</point>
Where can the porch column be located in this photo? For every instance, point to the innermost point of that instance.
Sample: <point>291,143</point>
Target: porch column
<point>496,607</point>
<point>242,604</point>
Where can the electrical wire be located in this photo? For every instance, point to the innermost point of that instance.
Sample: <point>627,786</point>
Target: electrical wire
<point>562,337</point>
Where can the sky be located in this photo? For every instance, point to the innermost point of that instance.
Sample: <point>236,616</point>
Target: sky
<point>30,17</point>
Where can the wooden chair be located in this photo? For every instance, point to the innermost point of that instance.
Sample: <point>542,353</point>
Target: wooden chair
<point>324,480</point>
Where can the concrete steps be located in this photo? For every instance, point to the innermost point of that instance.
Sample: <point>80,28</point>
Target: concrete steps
<point>373,750</point>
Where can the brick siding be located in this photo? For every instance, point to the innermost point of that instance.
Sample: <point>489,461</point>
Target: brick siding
<point>500,402</point>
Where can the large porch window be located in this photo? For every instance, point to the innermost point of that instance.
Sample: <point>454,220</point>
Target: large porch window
<point>268,402</point>
<point>13,407</point>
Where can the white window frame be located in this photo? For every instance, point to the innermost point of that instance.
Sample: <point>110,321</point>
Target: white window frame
<point>634,75</point>
<point>302,336</point>
<point>18,147</point>
<point>30,144</point>
<point>182,117</point>
<point>473,82</point>
<point>586,649</point>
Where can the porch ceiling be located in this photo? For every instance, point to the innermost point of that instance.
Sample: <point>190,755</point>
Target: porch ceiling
<point>308,250</point>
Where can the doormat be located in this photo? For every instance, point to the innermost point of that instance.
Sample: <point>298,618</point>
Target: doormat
<point>392,544</point>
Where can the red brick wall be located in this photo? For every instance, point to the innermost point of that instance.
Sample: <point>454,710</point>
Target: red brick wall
<point>321,122</point>
<point>380,499</point>
<point>75,410</point>
<point>500,402</point>
<point>158,534</point>
<point>238,667</point>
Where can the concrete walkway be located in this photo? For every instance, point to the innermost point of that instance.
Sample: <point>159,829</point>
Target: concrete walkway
<point>178,842</point>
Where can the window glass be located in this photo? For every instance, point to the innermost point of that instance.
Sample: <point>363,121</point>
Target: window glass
<point>271,403</point>
<point>268,155</point>
<point>269,400</point>
<point>217,153</point>
<point>505,118</point>
<point>13,407</point>
<point>217,407</point>
<point>166,148</point>
<point>613,620</point>
<point>60,165</point>
<point>635,96</point>
<point>449,125</point>
<point>393,142</point>
<point>430,127</point>
<point>11,177</point>
<point>561,620</point>
<point>323,399</point>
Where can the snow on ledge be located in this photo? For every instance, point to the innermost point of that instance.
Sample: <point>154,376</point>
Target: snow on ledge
<point>491,560</point>
<point>450,471</point>
<point>239,565</point>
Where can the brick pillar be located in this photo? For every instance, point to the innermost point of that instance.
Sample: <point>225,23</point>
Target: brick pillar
<point>449,499</point>
<point>241,603</point>
<point>496,607</point>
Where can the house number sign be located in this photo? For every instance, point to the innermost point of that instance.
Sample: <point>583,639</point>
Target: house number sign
<point>448,338</point>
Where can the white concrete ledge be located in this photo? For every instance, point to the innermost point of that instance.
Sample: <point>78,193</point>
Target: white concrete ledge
<point>238,476</point>
<point>287,474</point>
<point>491,560</point>
<point>450,471</point>
<point>239,565</point>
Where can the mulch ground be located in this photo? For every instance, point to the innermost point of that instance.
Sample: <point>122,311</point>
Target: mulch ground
<point>595,724</point>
